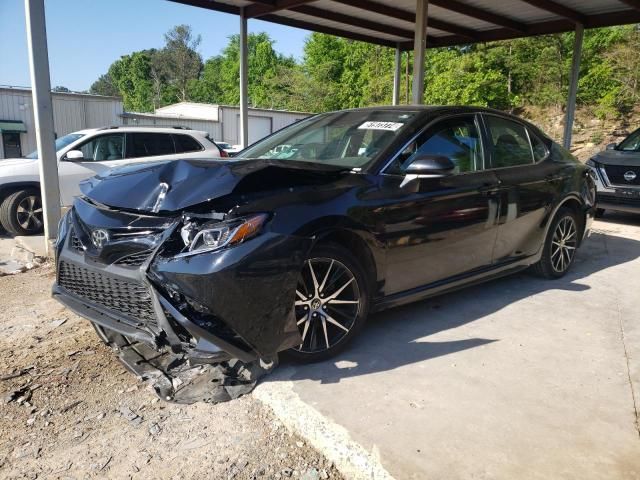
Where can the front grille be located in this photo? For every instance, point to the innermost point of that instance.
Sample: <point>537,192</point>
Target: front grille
<point>134,260</point>
<point>128,298</point>
<point>615,174</point>
<point>619,200</point>
<point>75,242</point>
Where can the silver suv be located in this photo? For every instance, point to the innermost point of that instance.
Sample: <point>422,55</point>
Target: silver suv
<point>84,154</point>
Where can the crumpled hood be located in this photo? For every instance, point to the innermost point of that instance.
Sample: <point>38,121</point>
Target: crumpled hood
<point>12,162</point>
<point>618,157</point>
<point>174,185</point>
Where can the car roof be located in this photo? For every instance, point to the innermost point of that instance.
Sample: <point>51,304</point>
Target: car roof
<point>446,110</point>
<point>433,109</point>
<point>143,128</point>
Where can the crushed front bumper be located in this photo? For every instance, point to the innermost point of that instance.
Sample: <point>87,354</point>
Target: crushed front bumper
<point>210,310</point>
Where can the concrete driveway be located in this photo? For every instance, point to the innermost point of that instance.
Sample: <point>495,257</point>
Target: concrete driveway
<point>517,378</point>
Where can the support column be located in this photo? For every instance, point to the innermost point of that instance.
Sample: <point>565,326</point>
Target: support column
<point>396,76</point>
<point>244,100</point>
<point>573,86</point>
<point>43,117</point>
<point>419,46</point>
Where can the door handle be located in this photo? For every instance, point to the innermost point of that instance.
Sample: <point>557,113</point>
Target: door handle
<point>489,190</point>
<point>553,178</point>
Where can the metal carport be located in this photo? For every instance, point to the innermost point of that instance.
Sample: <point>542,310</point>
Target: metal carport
<point>401,24</point>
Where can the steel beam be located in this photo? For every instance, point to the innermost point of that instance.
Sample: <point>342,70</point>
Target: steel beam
<point>480,14</point>
<point>244,82</point>
<point>396,76</point>
<point>255,10</point>
<point>558,9</point>
<point>632,3</point>
<point>573,85</point>
<point>419,47</point>
<point>43,117</point>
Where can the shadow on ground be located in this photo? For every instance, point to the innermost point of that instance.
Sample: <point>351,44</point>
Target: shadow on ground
<point>621,218</point>
<point>399,336</point>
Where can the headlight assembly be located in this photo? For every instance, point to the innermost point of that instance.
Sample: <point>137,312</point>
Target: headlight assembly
<point>213,236</point>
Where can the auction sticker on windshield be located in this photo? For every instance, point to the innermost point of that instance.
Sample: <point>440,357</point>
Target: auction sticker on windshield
<point>390,126</point>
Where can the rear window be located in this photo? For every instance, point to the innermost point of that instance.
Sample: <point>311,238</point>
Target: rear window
<point>186,143</point>
<point>145,144</point>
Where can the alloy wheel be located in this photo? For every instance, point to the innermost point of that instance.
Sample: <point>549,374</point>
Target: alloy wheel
<point>563,244</point>
<point>327,304</point>
<point>29,213</point>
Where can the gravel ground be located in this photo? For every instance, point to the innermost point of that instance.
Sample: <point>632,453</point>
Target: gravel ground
<point>68,409</point>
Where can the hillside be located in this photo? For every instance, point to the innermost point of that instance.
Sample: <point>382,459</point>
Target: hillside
<point>590,133</point>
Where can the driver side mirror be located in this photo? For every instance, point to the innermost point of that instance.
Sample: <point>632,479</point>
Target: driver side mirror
<point>612,146</point>
<point>431,166</point>
<point>74,156</point>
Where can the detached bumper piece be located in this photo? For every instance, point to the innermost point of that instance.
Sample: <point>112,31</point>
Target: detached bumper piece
<point>175,379</point>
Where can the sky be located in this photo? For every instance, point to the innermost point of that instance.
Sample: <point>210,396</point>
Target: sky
<point>86,36</point>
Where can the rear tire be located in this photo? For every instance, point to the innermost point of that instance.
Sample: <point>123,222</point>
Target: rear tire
<point>560,245</point>
<point>332,303</point>
<point>21,213</point>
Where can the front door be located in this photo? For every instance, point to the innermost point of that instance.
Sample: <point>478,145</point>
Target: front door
<point>438,228</point>
<point>11,144</point>
<point>99,154</point>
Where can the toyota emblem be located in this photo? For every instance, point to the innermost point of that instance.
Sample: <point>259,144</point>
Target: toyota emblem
<point>99,238</point>
<point>630,176</point>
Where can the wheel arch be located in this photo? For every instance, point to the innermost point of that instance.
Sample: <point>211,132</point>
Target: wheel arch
<point>574,203</point>
<point>360,245</point>
<point>9,188</point>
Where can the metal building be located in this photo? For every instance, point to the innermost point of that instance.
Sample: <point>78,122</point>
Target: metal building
<point>77,111</point>
<point>222,122</point>
<point>71,112</point>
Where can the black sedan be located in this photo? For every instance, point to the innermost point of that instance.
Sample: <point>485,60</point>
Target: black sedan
<point>291,246</point>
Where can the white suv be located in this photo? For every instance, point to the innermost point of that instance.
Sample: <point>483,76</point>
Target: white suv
<point>84,154</point>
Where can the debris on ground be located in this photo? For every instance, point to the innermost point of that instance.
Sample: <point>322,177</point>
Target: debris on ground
<point>119,429</point>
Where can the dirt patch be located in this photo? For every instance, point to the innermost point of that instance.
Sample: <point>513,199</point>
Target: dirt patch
<point>68,409</point>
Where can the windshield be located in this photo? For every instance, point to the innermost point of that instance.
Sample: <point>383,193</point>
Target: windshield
<point>346,139</point>
<point>60,143</point>
<point>631,143</point>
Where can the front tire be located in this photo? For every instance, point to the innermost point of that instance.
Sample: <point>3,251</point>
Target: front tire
<point>332,303</point>
<point>21,213</point>
<point>560,245</point>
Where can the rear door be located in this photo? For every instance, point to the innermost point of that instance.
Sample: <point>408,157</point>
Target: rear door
<point>529,185</point>
<point>149,146</point>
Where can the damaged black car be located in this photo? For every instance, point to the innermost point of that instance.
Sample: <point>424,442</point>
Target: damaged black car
<point>292,244</point>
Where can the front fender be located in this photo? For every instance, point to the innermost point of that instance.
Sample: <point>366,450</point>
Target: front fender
<point>250,287</point>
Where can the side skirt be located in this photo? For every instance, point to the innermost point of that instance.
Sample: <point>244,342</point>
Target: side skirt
<point>455,283</point>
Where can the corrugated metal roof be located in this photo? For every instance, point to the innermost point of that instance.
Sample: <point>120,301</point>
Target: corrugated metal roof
<point>451,22</point>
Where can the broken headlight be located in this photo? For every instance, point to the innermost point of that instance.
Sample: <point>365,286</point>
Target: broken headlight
<point>210,236</point>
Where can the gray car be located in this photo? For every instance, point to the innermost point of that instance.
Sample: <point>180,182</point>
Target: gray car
<point>617,172</point>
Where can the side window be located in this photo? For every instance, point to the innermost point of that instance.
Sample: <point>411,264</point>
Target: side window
<point>145,144</point>
<point>539,148</point>
<point>456,138</point>
<point>186,143</point>
<point>104,148</point>
<point>510,142</point>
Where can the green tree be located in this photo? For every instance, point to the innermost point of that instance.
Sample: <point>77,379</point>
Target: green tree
<point>131,75</point>
<point>104,86</point>
<point>178,63</point>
